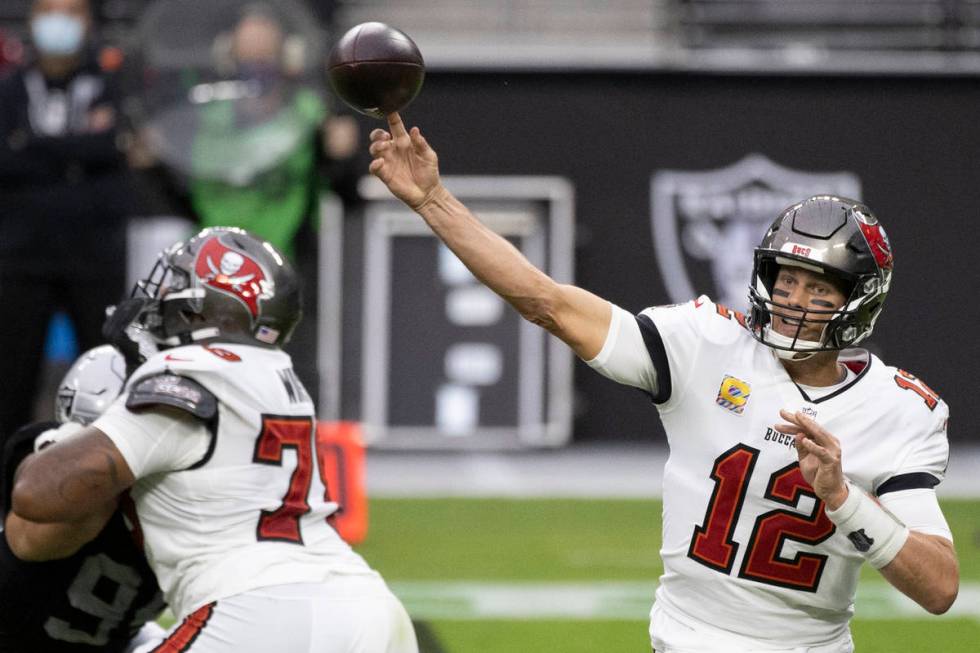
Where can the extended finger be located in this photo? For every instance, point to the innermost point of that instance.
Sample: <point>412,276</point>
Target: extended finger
<point>817,432</point>
<point>378,147</point>
<point>801,451</point>
<point>418,140</point>
<point>396,125</point>
<point>808,425</point>
<point>812,447</point>
<point>789,429</point>
<point>789,415</point>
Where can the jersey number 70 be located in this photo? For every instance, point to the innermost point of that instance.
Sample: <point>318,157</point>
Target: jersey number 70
<point>712,544</point>
<point>279,432</point>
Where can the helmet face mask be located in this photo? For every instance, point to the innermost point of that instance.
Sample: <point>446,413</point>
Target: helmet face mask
<point>835,237</point>
<point>222,284</point>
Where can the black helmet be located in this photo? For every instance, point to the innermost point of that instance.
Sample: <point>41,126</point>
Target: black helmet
<point>222,284</point>
<point>830,235</point>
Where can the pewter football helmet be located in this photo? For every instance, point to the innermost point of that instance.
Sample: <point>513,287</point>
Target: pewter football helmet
<point>222,284</point>
<point>836,236</point>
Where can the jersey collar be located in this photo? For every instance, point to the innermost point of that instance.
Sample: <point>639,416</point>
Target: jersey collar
<point>856,360</point>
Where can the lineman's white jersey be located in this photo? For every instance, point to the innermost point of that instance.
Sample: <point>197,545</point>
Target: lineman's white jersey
<point>237,503</point>
<point>747,548</point>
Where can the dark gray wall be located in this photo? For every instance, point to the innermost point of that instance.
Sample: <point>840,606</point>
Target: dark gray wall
<point>913,143</point>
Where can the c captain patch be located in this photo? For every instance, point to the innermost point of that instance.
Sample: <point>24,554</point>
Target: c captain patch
<point>733,394</point>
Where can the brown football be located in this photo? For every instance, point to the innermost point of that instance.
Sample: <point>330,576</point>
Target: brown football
<point>376,69</point>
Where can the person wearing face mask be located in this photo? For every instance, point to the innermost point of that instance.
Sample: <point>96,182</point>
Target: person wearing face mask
<point>259,156</point>
<point>263,157</point>
<point>64,196</point>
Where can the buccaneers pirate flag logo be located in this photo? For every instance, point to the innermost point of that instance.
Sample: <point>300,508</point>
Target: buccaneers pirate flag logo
<point>706,224</point>
<point>234,273</point>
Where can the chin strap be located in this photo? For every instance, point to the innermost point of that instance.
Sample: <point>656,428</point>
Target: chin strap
<point>804,348</point>
<point>190,337</point>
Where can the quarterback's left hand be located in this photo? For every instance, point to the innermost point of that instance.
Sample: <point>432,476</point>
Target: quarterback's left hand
<point>820,457</point>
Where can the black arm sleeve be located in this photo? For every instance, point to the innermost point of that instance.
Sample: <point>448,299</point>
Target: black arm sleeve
<point>911,481</point>
<point>658,354</point>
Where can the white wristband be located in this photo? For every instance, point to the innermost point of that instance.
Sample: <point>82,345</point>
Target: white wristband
<point>873,531</point>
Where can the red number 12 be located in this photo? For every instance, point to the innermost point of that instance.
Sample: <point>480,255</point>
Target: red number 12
<point>712,543</point>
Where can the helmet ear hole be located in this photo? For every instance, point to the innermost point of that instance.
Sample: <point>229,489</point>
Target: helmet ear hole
<point>766,272</point>
<point>841,285</point>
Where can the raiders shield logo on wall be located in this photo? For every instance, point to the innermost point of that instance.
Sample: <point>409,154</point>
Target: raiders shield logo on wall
<point>706,224</point>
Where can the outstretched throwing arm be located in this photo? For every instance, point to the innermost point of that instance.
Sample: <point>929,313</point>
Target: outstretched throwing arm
<point>409,167</point>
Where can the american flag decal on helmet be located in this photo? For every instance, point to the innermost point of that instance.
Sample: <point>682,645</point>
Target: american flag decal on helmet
<point>267,335</point>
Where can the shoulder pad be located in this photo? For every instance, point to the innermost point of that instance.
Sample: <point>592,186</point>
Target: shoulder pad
<point>175,391</point>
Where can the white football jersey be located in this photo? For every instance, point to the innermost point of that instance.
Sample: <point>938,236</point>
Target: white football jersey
<point>236,503</point>
<point>747,547</point>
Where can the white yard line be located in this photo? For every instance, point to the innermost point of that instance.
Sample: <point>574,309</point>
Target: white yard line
<point>616,600</point>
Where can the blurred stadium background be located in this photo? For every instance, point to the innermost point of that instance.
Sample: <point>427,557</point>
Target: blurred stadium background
<point>638,149</point>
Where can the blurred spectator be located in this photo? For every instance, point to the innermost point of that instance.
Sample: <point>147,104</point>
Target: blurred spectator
<point>257,157</point>
<point>262,159</point>
<point>64,196</point>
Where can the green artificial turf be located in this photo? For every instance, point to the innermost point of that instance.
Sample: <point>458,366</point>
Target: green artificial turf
<point>542,541</point>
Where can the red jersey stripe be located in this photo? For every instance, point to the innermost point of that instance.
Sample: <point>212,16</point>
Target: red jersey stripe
<point>181,639</point>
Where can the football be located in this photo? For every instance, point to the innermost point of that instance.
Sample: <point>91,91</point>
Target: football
<point>375,69</point>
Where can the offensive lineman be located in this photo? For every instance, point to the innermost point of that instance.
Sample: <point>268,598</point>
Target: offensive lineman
<point>102,598</point>
<point>216,436</point>
<point>777,434</point>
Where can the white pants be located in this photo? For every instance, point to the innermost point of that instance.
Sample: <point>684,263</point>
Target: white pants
<point>668,635</point>
<point>150,633</point>
<point>347,614</point>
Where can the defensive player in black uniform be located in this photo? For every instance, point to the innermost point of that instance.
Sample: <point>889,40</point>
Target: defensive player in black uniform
<point>99,598</point>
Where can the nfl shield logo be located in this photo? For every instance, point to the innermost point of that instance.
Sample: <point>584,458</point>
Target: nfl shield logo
<point>706,224</point>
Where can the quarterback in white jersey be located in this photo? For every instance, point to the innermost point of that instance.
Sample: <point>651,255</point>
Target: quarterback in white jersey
<point>743,531</point>
<point>780,432</point>
<point>216,438</point>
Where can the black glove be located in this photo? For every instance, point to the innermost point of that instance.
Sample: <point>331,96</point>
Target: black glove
<point>118,332</point>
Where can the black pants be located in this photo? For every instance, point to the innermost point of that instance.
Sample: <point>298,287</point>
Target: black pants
<point>27,302</point>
